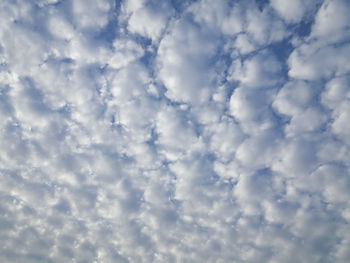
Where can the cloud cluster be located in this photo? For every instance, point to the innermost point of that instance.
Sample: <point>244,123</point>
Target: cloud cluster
<point>180,131</point>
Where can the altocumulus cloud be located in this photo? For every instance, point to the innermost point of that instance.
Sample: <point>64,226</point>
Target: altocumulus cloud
<point>175,131</point>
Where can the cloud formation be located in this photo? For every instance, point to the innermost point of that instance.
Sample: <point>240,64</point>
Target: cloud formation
<point>180,131</point>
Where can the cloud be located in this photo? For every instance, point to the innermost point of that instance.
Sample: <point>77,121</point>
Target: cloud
<point>309,62</point>
<point>294,11</point>
<point>319,57</point>
<point>91,15</point>
<point>336,97</point>
<point>262,70</point>
<point>332,19</point>
<point>181,131</point>
<point>182,55</point>
<point>147,19</point>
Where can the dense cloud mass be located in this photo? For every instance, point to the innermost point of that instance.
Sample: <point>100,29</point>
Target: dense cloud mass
<point>175,131</point>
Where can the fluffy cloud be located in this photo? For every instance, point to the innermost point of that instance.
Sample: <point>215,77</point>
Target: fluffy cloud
<point>180,131</point>
<point>332,20</point>
<point>147,19</point>
<point>182,55</point>
<point>294,11</point>
<point>324,53</point>
<point>260,71</point>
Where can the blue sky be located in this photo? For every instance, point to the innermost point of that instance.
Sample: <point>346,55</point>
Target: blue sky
<point>175,131</point>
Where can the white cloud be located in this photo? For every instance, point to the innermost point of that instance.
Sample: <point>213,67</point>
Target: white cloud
<point>147,19</point>
<point>174,131</point>
<point>307,121</point>
<point>147,24</point>
<point>61,28</point>
<point>318,57</point>
<point>260,71</point>
<point>182,55</point>
<point>310,62</point>
<point>293,98</point>
<point>336,97</point>
<point>218,16</point>
<point>332,20</point>
<point>290,10</point>
<point>243,45</point>
<point>91,15</point>
<point>251,107</point>
<point>264,27</point>
<point>258,152</point>
<point>225,138</point>
<point>186,131</point>
<point>294,11</point>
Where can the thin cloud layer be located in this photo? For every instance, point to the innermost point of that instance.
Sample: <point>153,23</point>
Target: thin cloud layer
<point>181,131</point>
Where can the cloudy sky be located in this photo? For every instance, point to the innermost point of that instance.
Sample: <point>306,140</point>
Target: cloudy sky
<point>175,131</point>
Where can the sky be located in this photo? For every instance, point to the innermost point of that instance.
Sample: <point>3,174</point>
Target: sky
<point>175,131</point>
